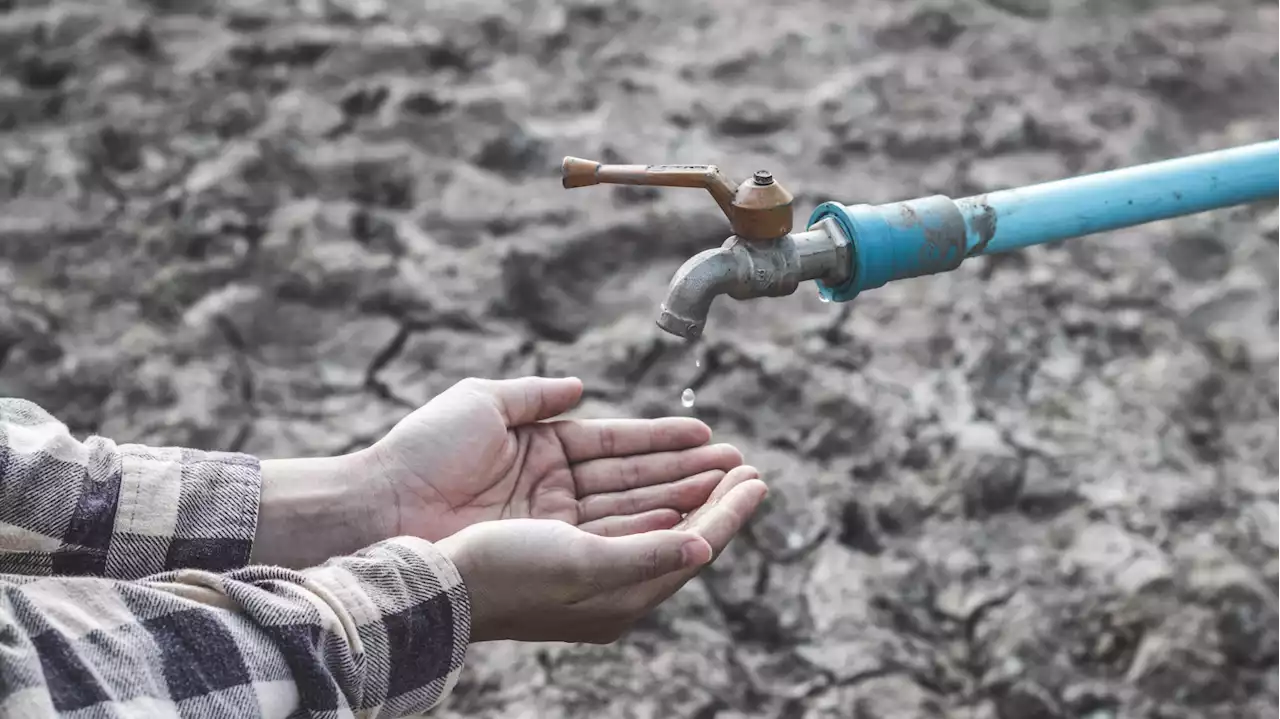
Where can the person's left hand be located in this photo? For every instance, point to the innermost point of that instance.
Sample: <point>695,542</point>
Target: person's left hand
<point>539,580</point>
<point>484,450</point>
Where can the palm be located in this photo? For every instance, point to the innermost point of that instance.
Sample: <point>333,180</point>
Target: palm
<point>482,451</point>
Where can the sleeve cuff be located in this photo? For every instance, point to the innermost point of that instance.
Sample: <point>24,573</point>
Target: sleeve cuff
<point>183,509</point>
<point>412,615</point>
<point>444,580</point>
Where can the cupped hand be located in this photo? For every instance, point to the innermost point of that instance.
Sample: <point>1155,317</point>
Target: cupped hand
<point>541,580</point>
<point>491,449</point>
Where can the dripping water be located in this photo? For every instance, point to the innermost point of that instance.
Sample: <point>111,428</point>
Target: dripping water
<point>687,397</point>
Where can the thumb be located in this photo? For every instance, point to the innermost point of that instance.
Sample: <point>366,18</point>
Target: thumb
<point>641,557</point>
<point>531,399</point>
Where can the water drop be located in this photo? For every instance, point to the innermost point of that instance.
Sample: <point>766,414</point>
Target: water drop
<point>686,398</point>
<point>823,297</point>
<point>697,363</point>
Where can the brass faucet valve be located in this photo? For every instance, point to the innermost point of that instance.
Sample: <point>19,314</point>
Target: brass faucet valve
<point>759,209</point>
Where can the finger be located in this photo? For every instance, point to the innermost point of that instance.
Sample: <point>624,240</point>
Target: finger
<point>735,477</point>
<point>632,524</point>
<point>616,474</point>
<point>638,558</point>
<point>683,495</point>
<point>531,399</point>
<point>718,524</point>
<point>721,522</point>
<point>596,438</point>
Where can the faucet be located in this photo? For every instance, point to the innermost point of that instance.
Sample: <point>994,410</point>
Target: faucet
<point>763,258</point>
<point>848,249</point>
<point>745,270</point>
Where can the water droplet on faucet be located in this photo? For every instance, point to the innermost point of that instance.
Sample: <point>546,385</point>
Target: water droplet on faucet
<point>687,398</point>
<point>823,297</point>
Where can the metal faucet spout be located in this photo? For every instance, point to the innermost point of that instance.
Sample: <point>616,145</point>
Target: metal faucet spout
<point>700,280</point>
<point>745,270</point>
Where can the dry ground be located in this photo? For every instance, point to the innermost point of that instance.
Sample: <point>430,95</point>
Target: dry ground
<point>1041,486</point>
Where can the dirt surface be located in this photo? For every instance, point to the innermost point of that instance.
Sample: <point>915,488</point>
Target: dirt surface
<point>1041,486</point>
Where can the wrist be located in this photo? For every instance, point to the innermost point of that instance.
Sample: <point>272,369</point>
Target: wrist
<point>315,508</point>
<point>454,548</point>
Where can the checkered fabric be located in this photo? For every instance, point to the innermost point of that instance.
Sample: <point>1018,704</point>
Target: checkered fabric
<point>126,594</point>
<point>125,511</point>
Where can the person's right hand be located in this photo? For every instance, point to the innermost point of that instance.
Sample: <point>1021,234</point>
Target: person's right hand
<point>547,580</point>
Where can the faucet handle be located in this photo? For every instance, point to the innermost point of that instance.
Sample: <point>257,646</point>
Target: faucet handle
<point>577,172</point>
<point>758,209</point>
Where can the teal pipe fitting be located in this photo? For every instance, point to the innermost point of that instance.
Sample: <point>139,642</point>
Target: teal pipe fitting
<point>935,234</point>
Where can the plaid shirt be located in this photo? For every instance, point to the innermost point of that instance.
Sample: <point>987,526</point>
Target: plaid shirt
<point>125,593</point>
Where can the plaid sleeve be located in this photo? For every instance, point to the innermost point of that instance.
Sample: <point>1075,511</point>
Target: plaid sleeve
<point>95,508</point>
<point>380,633</point>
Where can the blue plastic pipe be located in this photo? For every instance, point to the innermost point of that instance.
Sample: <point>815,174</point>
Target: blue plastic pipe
<point>935,234</point>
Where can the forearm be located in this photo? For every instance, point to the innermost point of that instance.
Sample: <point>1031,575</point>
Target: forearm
<point>382,631</point>
<point>95,508</point>
<point>313,509</point>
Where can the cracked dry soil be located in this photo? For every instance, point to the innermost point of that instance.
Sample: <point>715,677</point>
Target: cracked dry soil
<point>1041,486</point>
